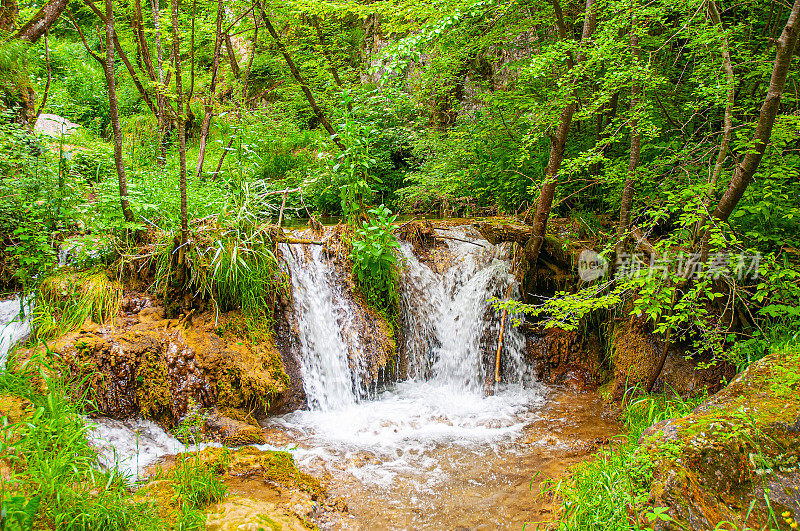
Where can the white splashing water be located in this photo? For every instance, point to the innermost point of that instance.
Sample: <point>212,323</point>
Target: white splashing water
<point>132,445</point>
<point>449,327</point>
<point>13,326</point>
<point>331,360</point>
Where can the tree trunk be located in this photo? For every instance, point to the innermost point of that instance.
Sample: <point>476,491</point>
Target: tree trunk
<point>636,146</point>
<point>49,76</point>
<point>727,128</point>
<point>232,56</point>
<point>9,11</point>
<point>163,123</point>
<point>557,143</point>
<point>41,21</point>
<point>744,172</point>
<point>299,78</point>
<point>209,104</point>
<point>331,66</point>
<point>179,118</point>
<point>108,68</point>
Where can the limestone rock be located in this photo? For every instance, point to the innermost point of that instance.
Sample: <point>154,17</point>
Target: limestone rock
<point>738,449</point>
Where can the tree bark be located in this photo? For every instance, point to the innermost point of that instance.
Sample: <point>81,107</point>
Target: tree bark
<point>9,11</point>
<point>163,123</point>
<point>299,78</point>
<point>727,128</point>
<point>636,146</point>
<point>49,76</point>
<point>558,142</point>
<point>33,30</point>
<point>179,119</point>
<point>209,103</point>
<point>745,170</point>
<point>108,68</point>
<point>232,56</point>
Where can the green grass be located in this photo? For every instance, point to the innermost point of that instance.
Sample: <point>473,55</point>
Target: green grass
<point>601,493</point>
<point>65,300</point>
<point>53,480</point>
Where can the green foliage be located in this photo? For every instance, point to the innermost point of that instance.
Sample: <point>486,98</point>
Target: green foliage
<point>54,481</point>
<point>374,257</point>
<point>602,491</point>
<point>65,300</point>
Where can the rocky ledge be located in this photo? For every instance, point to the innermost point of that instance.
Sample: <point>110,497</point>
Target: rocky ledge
<point>733,462</point>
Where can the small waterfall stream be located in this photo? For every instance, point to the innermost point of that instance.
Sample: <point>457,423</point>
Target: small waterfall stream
<point>13,326</point>
<point>449,330</point>
<point>331,359</point>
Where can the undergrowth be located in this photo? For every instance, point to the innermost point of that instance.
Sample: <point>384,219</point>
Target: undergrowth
<point>50,478</point>
<point>603,493</point>
<point>66,299</point>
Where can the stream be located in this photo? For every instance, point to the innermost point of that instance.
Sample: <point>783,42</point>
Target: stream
<point>444,447</point>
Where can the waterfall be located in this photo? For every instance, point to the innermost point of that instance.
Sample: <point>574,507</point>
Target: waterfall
<point>331,357</point>
<point>448,318</point>
<point>449,326</point>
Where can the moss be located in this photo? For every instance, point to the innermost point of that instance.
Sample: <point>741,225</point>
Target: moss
<point>153,388</point>
<point>713,464</point>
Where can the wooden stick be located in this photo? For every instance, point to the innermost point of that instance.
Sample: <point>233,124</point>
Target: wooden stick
<point>460,240</point>
<point>500,339</point>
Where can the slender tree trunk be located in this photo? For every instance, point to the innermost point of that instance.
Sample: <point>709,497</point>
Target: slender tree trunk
<point>299,78</point>
<point>108,68</point>
<point>727,128</point>
<point>745,170</point>
<point>179,118</point>
<point>49,75</point>
<point>636,146</point>
<point>558,142</point>
<point>163,123</point>
<point>9,11</point>
<point>232,56</point>
<point>209,104</point>
<point>33,30</point>
<point>331,66</point>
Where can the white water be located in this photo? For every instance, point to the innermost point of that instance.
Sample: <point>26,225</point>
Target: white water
<point>331,360</point>
<point>450,326</point>
<point>132,445</point>
<point>13,327</point>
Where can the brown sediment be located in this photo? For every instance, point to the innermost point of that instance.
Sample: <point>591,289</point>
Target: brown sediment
<point>147,365</point>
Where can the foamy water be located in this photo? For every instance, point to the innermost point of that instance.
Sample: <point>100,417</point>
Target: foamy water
<point>132,445</point>
<point>13,326</point>
<point>449,327</point>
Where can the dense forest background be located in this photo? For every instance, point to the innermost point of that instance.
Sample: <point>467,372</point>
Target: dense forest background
<point>659,131</point>
<point>643,158</point>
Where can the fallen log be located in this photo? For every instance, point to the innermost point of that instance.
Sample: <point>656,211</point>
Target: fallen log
<point>559,252</point>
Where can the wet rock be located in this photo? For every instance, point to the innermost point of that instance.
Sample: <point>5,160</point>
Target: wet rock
<point>636,352</point>
<point>265,490</point>
<point>231,431</point>
<point>157,368</point>
<point>733,453</point>
<point>566,358</point>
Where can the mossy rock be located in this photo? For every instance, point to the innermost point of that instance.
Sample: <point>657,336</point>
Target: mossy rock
<point>737,450</point>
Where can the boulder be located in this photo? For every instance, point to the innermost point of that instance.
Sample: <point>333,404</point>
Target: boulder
<point>147,365</point>
<point>735,458</point>
<point>54,125</point>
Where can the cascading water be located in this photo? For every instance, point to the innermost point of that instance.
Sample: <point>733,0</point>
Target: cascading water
<point>331,360</point>
<point>13,326</point>
<point>449,326</point>
<point>446,314</point>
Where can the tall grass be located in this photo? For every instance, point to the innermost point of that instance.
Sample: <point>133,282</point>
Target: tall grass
<point>53,481</point>
<point>65,300</point>
<point>602,493</point>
